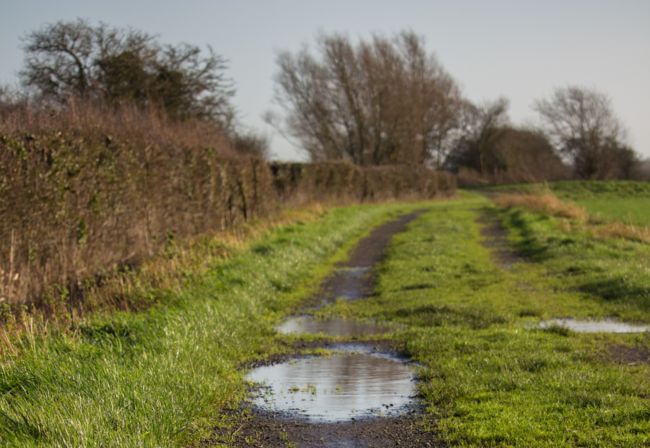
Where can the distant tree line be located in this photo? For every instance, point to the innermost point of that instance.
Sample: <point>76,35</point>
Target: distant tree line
<point>388,101</point>
<point>72,61</point>
<point>379,102</point>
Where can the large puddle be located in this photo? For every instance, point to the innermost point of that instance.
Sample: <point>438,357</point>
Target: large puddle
<point>595,326</point>
<point>335,388</point>
<point>331,327</point>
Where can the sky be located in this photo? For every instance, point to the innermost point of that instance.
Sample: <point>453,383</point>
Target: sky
<point>520,50</point>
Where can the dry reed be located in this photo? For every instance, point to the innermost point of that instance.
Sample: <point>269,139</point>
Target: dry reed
<point>546,203</point>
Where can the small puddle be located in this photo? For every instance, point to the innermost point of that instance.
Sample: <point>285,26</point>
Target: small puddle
<point>335,388</point>
<point>354,272</point>
<point>595,326</point>
<point>331,327</point>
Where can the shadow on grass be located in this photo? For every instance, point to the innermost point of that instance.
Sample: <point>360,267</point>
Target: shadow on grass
<point>533,246</point>
<point>618,288</point>
<point>541,248</point>
<point>21,429</point>
<point>439,315</point>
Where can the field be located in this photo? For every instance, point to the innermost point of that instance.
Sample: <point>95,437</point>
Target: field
<point>624,201</point>
<point>468,283</point>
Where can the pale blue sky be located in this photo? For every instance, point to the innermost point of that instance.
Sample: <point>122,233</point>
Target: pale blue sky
<point>517,49</point>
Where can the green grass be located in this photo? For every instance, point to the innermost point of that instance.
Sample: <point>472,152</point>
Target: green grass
<point>634,211</point>
<point>157,378</point>
<point>624,201</point>
<point>576,190</point>
<point>613,189</point>
<point>492,378</point>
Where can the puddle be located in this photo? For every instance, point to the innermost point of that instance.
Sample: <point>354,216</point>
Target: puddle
<point>336,388</point>
<point>596,326</point>
<point>354,272</point>
<point>331,327</point>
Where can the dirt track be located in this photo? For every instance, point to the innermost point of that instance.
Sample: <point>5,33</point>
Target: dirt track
<point>255,428</point>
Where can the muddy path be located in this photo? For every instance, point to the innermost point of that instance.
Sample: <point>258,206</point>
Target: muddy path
<point>353,278</point>
<point>495,238</point>
<point>254,429</point>
<point>251,425</point>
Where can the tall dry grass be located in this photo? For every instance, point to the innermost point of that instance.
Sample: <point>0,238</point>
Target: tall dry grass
<point>547,203</point>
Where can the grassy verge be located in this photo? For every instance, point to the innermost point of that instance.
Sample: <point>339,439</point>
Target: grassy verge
<point>152,378</point>
<point>491,377</point>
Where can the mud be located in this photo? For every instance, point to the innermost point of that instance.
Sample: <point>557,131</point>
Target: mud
<point>495,237</point>
<point>255,429</point>
<point>630,356</point>
<point>354,277</point>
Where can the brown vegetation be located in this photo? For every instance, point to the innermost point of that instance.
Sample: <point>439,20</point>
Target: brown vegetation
<point>87,190</point>
<point>380,102</point>
<point>548,203</point>
<point>511,156</point>
<point>341,181</point>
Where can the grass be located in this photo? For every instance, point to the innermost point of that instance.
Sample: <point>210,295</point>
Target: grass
<point>624,201</point>
<point>492,378</point>
<point>157,377</point>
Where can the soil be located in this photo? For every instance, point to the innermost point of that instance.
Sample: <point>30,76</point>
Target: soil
<point>251,427</point>
<point>495,237</point>
<point>624,354</point>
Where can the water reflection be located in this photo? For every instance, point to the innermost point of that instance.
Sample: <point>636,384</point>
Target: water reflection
<point>354,271</point>
<point>331,327</point>
<point>595,326</point>
<point>335,388</point>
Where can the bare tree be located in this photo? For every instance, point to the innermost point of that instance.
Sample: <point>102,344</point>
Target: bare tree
<point>583,127</point>
<point>59,58</point>
<point>381,102</point>
<point>75,59</point>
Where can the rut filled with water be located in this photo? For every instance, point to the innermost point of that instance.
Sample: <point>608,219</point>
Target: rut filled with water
<point>595,326</point>
<point>332,327</point>
<point>343,385</point>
